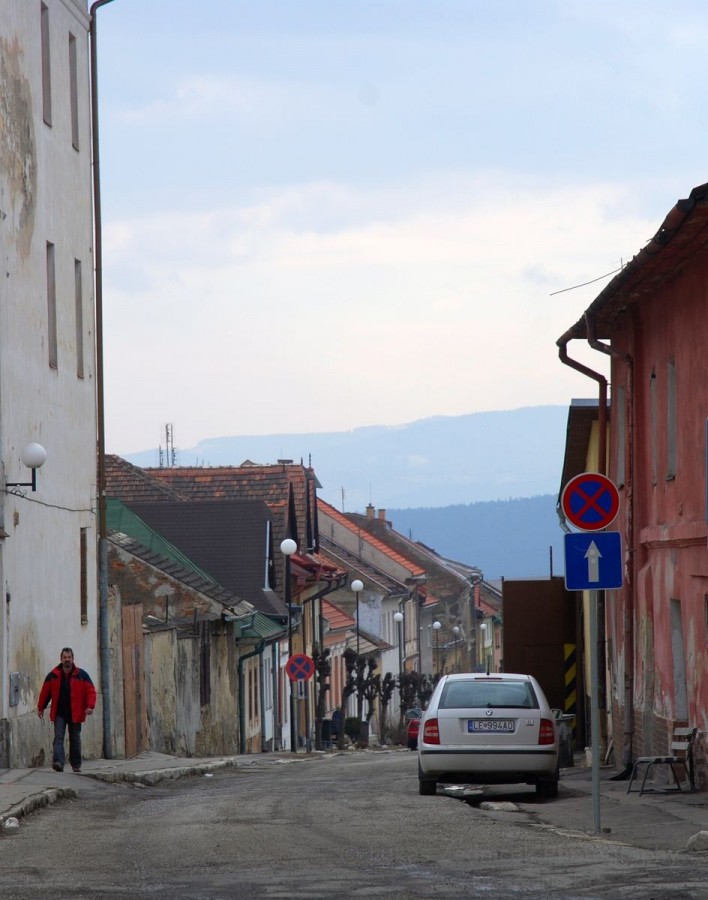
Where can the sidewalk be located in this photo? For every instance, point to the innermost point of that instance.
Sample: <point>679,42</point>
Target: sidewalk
<point>665,821</point>
<point>661,821</point>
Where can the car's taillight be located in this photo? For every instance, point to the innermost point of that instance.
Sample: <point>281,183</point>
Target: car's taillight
<point>431,732</point>
<point>547,732</point>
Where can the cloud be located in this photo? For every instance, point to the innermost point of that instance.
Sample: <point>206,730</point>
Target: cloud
<point>363,306</point>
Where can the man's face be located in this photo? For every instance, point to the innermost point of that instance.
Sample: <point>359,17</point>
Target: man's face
<point>67,661</point>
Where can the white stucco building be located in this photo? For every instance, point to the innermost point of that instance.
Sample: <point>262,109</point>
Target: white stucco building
<point>47,366</point>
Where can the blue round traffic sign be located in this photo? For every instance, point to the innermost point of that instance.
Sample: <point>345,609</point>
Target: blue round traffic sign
<point>590,501</point>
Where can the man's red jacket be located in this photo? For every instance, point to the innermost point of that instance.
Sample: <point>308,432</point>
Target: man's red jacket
<point>81,691</point>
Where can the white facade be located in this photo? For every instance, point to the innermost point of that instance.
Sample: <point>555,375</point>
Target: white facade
<point>47,365</point>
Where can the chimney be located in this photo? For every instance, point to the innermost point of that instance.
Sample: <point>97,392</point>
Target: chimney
<point>382,515</point>
<point>370,511</point>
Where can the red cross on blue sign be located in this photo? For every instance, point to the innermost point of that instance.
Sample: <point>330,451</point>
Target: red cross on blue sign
<point>299,667</point>
<point>590,501</point>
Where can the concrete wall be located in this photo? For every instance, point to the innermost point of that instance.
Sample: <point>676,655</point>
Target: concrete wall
<point>45,196</point>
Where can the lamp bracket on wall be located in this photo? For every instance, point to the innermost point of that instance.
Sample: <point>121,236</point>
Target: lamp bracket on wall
<point>33,456</point>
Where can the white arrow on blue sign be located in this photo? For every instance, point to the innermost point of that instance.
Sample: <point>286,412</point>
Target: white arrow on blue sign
<point>593,561</point>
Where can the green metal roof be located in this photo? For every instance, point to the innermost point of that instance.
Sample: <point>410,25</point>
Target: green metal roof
<point>260,626</point>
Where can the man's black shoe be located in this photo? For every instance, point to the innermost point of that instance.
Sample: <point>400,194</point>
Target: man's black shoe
<point>58,767</point>
<point>76,769</point>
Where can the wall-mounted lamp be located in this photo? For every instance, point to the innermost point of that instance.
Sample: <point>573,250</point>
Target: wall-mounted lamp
<point>33,456</point>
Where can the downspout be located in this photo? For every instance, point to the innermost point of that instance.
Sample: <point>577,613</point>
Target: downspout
<point>628,623</point>
<point>602,398</point>
<point>602,470</point>
<point>338,582</point>
<point>104,629</point>
<point>241,705</point>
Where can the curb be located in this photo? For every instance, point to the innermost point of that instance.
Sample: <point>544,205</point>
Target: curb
<point>154,776</point>
<point>44,798</point>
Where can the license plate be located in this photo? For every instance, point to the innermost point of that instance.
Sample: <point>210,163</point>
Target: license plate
<point>505,725</point>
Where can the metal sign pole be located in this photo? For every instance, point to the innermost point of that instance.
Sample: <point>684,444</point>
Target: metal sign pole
<point>595,712</point>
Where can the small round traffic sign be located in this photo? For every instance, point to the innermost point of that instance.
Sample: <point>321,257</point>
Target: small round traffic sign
<point>300,667</point>
<point>590,501</point>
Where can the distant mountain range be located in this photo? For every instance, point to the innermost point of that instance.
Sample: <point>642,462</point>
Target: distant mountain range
<point>518,538</point>
<point>480,488</point>
<point>433,462</point>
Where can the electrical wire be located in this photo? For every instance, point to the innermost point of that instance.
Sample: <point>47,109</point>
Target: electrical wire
<point>599,278</point>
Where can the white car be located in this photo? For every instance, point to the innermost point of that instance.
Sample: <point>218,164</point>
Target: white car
<point>488,729</point>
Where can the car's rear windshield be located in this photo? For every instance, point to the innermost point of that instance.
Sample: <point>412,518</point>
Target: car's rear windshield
<point>466,694</point>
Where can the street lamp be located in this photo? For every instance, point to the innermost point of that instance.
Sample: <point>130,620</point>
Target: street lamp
<point>287,548</point>
<point>483,631</point>
<point>357,586</point>
<point>475,578</point>
<point>456,631</point>
<point>398,618</point>
<point>436,627</point>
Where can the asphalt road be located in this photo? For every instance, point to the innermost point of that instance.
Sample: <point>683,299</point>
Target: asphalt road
<point>350,826</point>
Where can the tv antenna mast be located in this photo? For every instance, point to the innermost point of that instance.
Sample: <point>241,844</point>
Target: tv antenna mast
<point>168,456</point>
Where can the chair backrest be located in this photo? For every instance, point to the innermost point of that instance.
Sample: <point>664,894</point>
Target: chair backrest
<point>683,740</point>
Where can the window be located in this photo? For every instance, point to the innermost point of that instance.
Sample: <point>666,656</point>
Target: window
<point>83,575</point>
<point>46,69</point>
<point>497,694</point>
<point>671,437</point>
<point>51,308</point>
<point>79,304</point>
<point>73,92</point>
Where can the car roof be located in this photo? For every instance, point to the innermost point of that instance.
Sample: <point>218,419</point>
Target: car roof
<point>482,676</point>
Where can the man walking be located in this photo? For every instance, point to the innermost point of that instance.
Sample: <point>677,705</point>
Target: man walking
<point>73,697</point>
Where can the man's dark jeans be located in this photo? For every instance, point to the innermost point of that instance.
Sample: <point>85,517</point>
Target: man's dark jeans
<point>60,726</point>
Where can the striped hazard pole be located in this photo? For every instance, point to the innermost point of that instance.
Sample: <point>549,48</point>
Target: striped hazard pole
<point>571,677</point>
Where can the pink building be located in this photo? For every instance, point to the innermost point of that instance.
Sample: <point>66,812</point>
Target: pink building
<point>652,322</point>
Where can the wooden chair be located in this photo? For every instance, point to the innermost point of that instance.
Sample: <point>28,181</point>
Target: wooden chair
<point>681,755</point>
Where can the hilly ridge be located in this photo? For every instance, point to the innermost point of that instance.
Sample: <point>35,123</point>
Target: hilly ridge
<point>480,488</point>
<point>519,538</point>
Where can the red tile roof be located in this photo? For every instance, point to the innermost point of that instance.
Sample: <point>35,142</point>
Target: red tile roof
<point>130,483</point>
<point>336,617</point>
<point>414,569</point>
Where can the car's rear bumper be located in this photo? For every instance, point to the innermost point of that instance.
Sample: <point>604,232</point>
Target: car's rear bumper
<point>486,766</point>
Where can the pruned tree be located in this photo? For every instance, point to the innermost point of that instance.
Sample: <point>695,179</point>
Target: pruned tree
<point>323,669</point>
<point>348,689</point>
<point>386,689</point>
<point>426,687</point>
<point>408,687</point>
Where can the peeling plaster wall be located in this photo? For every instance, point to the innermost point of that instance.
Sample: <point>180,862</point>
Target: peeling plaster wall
<point>178,724</point>
<point>45,196</point>
<point>665,335</point>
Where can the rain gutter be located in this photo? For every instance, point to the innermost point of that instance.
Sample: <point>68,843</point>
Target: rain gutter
<point>104,633</point>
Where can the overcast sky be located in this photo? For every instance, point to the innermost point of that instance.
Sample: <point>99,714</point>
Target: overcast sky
<point>322,214</point>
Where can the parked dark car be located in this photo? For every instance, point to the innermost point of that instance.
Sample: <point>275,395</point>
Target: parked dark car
<point>412,718</point>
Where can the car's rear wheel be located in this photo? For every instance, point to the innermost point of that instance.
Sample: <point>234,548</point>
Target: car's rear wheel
<point>427,787</point>
<point>547,789</point>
